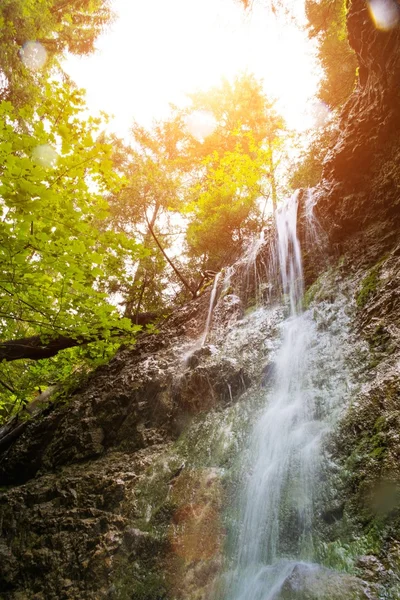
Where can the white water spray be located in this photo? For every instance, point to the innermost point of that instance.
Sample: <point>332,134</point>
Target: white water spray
<point>284,456</point>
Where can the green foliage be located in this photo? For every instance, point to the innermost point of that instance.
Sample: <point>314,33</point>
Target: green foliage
<point>231,169</point>
<point>86,222</point>
<point>368,286</point>
<point>327,23</point>
<point>224,207</point>
<point>342,555</point>
<point>57,25</point>
<point>204,189</point>
<point>55,249</point>
<point>151,197</point>
<point>63,372</point>
<point>59,258</point>
<point>308,168</point>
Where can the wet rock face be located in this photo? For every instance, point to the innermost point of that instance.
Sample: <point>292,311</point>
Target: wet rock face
<point>102,501</point>
<point>358,511</point>
<point>136,400</point>
<point>312,582</point>
<point>81,517</point>
<point>65,535</point>
<point>359,196</point>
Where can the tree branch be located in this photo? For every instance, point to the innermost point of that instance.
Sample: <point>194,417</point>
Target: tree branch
<point>36,347</point>
<point>169,261</point>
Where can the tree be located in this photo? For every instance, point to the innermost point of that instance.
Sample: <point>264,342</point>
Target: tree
<point>206,187</point>
<point>307,171</point>
<point>59,259</point>
<point>154,171</point>
<point>87,223</point>
<point>327,24</point>
<point>34,34</point>
<point>233,168</point>
<point>223,207</point>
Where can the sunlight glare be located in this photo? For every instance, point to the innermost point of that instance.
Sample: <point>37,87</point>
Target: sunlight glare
<point>157,52</point>
<point>45,155</point>
<point>33,55</point>
<point>320,113</point>
<point>384,13</point>
<point>200,124</point>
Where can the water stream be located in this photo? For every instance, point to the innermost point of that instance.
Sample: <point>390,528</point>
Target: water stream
<point>210,308</point>
<point>275,530</point>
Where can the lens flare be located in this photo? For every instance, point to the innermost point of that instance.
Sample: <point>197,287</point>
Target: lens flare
<point>33,55</point>
<point>384,13</point>
<point>45,155</point>
<point>200,124</point>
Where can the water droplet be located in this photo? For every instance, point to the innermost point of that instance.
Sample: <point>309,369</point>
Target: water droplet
<point>200,124</point>
<point>33,55</point>
<point>45,155</point>
<point>384,13</point>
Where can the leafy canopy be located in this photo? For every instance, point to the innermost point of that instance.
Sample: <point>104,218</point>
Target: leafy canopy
<point>57,25</point>
<point>94,232</point>
<point>232,169</point>
<point>327,24</point>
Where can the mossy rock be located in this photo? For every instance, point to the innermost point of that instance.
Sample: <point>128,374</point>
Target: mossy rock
<point>128,585</point>
<point>369,285</point>
<point>312,582</point>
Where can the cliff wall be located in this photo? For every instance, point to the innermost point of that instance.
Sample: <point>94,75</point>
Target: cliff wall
<point>120,491</point>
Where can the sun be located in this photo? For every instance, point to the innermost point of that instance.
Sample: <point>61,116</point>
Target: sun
<point>157,52</point>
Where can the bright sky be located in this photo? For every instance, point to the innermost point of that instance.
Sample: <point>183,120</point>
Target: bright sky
<point>159,50</point>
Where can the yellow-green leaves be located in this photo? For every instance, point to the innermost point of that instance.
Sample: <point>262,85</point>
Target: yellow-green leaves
<point>57,251</point>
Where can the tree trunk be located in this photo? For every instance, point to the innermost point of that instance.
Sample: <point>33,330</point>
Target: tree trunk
<point>169,261</point>
<point>35,348</point>
<point>133,302</point>
<point>274,194</point>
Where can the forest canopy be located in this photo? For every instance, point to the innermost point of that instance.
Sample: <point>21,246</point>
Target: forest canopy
<point>100,237</point>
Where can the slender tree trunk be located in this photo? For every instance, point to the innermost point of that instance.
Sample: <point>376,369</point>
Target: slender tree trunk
<point>139,302</point>
<point>263,211</point>
<point>274,194</point>
<point>169,261</point>
<point>133,303</point>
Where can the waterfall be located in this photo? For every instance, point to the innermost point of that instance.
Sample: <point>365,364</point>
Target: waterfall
<point>226,284</point>
<point>283,460</point>
<point>289,253</point>
<point>210,308</point>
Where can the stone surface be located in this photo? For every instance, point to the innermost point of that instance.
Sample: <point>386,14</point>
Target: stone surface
<point>312,582</point>
<point>118,492</point>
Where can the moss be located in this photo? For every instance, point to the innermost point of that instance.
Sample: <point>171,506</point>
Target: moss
<point>250,307</point>
<point>310,294</point>
<point>229,290</point>
<point>133,583</point>
<point>369,286</point>
<point>321,290</point>
<point>380,341</point>
<point>209,283</point>
<point>339,555</point>
<point>164,512</point>
<point>379,423</point>
<point>377,452</point>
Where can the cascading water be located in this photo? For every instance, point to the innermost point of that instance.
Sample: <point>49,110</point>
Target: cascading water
<point>276,514</point>
<point>210,308</point>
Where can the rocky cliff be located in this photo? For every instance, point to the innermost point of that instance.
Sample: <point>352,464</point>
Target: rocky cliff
<point>123,489</point>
